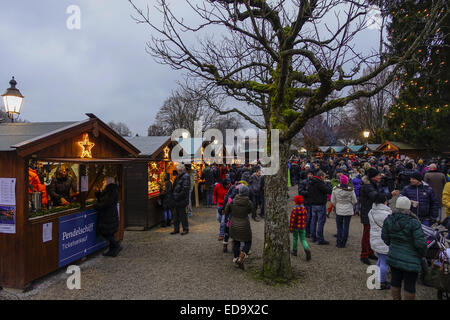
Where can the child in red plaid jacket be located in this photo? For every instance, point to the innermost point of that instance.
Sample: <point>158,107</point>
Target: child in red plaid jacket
<point>297,226</point>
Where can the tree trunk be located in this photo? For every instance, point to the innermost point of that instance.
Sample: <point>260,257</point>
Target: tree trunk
<point>276,254</point>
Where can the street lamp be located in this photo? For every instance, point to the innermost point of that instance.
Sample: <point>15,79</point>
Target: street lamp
<point>12,99</point>
<point>366,134</point>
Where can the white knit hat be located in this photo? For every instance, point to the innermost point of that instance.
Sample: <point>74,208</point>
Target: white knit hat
<point>403,203</point>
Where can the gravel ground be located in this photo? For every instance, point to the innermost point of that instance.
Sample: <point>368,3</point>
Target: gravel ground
<point>156,265</point>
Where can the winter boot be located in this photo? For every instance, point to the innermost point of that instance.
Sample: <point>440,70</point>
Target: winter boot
<point>396,293</point>
<point>385,285</point>
<point>240,260</point>
<point>225,247</point>
<point>294,253</point>
<point>410,296</point>
<point>308,254</point>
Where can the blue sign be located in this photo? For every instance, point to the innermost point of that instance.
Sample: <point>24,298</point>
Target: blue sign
<point>78,236</point>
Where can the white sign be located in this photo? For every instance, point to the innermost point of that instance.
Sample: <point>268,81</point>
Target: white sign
<point>84,183</point>
<point>8,191</point>
<point>47,232</point>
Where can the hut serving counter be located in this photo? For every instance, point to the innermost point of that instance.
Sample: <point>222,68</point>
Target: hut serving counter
<point>49,173</point>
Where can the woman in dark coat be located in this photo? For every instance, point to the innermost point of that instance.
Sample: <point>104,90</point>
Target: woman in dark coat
<point>167,201</point>
<point>108,217</point>
<point>402,232</point>
<point>240,230</point>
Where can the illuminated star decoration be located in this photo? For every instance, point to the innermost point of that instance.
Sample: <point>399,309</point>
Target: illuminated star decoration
<point>166,152</point>
<point>87,146</point>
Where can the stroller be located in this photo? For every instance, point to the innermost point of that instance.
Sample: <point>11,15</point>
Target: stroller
<point>436,265</point>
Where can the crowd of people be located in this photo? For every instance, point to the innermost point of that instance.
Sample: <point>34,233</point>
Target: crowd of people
<point>393,199</point>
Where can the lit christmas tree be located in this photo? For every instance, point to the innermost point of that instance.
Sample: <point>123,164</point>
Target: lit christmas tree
<point>421,114</point>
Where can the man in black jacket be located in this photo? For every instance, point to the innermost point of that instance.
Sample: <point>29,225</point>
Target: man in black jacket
<point>317,194</point>
<point>181,187</point>
<point>370,189</point>
<point>208,176</point>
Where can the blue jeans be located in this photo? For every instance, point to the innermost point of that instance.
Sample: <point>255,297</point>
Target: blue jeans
<point>167,215</point>
<point>381,264</point>
<point>308,221</point>
<point>221,220</point>
<point>318,219</point>
<point>343,226</point>
<point>209,197</point>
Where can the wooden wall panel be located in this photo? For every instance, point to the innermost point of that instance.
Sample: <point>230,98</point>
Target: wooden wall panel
<point>11,250</point>
<point>69,148</point>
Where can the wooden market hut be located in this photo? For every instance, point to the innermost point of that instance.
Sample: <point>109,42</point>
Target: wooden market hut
<point>143,176</point>
<point>399,149</point>
<point>39,232</point>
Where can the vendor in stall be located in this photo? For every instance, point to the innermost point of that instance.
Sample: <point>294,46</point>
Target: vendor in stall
<point>36,183</point>
<point>61,186</point>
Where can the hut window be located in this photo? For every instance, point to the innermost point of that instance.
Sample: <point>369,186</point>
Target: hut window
<point>52,187</point>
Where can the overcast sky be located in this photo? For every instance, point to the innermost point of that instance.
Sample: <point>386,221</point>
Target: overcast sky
<point>102,68</point>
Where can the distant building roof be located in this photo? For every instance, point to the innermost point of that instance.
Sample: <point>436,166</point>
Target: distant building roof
<point>148,145</point>
<point>373,146</point>
<point>356,148</point>
<point>404,146</point>
<point>337,149</point>
<point>12,134</point>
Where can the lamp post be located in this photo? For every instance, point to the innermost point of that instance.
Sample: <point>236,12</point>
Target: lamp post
<point>366,134</point>
<point>12,99</point>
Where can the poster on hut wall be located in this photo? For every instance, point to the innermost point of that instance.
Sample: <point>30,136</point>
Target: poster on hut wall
<point>78,236</point>
<point>7,219</point>
<point>8,191</point>
<point>7,205</point>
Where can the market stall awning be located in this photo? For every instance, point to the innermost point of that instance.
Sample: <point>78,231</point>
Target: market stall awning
<point>337,149</point>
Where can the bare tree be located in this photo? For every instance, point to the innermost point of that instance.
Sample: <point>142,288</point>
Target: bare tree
<point>316,133</point>
<point>182,109</point>
<point>157,130</point>
<point>285,58</point>
<point>121,128</point>
<point>369,113</point>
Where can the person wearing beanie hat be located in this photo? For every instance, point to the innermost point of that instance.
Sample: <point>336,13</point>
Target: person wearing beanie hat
<point>379,212</point>
<point>372,173</point>
<point>343,179</point>
<point>240,230</point>
<point>402,232</point>
<point>343,199</point>
<point>368,192</point>
<point>297,225</point>
<point>424,203</point>
<point>232,192</point>
<point>219,192</point>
